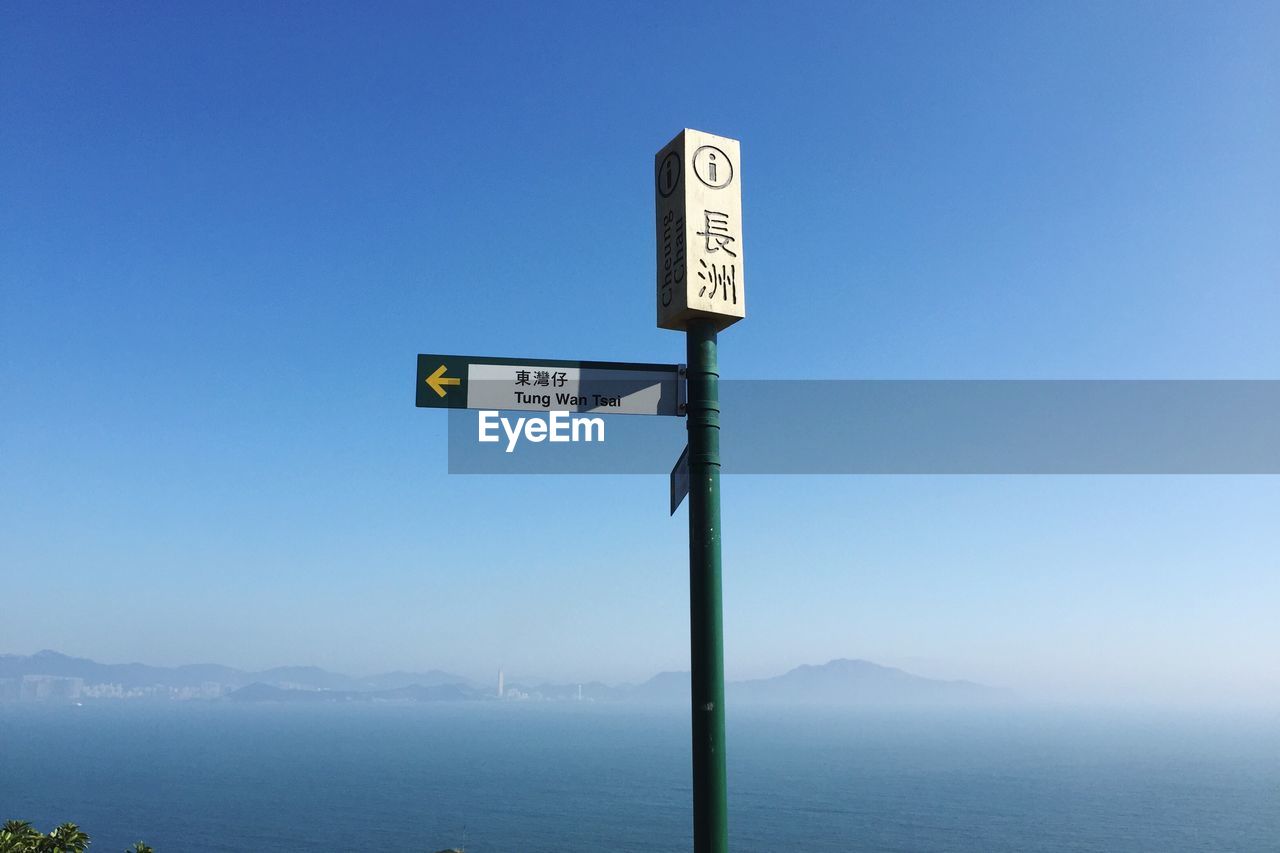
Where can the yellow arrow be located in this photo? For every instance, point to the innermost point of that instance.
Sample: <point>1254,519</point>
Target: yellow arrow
<point>437,379</point>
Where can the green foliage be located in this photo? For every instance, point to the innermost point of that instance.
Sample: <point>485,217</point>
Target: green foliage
<point>19,836</point>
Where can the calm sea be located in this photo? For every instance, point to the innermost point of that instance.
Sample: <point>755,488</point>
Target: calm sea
<point>514,778</point>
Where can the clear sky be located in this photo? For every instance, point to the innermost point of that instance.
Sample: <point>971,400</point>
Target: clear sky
<point>226,230</point>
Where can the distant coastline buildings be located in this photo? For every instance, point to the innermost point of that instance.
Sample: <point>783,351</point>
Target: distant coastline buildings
<point>62,688</point>
<point>41,688</point>
<point>510,694</point>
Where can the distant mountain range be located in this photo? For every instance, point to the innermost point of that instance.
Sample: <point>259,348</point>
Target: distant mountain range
<point>838,682</point>
<point>138,675</point>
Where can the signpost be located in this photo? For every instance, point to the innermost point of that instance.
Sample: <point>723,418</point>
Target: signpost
<point>700,291</point>
<point>546,385</point>
<point>698,209</point>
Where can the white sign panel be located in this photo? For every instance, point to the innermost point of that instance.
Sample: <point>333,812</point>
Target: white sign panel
<point>698,195</point>
<point>601,390</point>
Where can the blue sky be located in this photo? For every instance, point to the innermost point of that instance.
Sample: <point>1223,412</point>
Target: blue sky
<point>225,232</point>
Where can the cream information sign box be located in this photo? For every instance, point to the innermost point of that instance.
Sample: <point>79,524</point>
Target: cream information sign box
<point>698,194</point>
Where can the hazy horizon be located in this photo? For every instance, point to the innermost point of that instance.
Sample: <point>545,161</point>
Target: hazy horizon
<point>1134,696</point>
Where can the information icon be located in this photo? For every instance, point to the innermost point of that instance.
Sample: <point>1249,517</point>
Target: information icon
<point>669,174</point>
<point>713,167</point>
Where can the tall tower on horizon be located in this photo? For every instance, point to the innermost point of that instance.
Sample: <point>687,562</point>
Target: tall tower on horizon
<point>500,686</point>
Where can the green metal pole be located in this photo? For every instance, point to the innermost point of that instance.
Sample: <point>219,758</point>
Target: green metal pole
<point>706,622</point>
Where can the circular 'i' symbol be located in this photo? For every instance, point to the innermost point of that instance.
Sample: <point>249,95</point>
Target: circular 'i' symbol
<point>669,174</point>
<point>713,167</point>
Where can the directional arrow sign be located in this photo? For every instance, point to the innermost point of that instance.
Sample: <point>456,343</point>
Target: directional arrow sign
<point>437,381</point>
<point>545,385</point>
